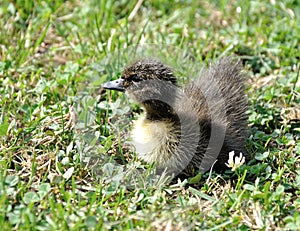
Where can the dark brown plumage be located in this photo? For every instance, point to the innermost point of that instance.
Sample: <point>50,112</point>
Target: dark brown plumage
<point>184,130</point>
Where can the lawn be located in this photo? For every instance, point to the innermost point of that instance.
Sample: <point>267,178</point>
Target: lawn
<point>65,164</point>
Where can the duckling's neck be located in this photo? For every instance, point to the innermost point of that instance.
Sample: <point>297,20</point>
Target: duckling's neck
<point>159,111</point>
<point>156,134</point>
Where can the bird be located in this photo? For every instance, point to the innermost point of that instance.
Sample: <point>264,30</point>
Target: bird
<point>186,129</point>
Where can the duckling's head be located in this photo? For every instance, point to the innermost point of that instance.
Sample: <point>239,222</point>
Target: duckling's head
<point>149,82</point>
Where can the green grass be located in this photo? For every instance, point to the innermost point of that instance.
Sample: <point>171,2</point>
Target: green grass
<point>54,56</point>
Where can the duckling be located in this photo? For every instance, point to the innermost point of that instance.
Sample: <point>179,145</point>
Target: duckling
<point>190,129</point>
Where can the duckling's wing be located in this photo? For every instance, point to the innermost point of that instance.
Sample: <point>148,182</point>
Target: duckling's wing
<point>219,97</point>
<point>222,87</point>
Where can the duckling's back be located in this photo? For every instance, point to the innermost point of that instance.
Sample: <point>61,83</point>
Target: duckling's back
<point>218,96</point>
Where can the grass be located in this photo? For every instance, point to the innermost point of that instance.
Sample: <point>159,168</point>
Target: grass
<point>54,56</point>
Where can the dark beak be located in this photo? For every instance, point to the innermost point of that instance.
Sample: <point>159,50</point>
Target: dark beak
<point>114,85</point>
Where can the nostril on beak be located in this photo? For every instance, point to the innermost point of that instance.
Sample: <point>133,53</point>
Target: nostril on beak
<point>114,85</point>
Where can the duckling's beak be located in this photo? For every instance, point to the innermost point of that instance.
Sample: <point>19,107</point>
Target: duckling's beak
<point>114,85</point>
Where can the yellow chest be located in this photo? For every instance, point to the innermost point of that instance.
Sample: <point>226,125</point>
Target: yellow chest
<point>152,140</point>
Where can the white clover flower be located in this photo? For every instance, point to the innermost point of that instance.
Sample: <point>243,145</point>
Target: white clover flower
<point>237,162</point>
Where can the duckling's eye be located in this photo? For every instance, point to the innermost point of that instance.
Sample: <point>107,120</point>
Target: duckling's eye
<point>135,78</point>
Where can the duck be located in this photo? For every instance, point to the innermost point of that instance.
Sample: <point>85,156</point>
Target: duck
<point>186,129</point>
